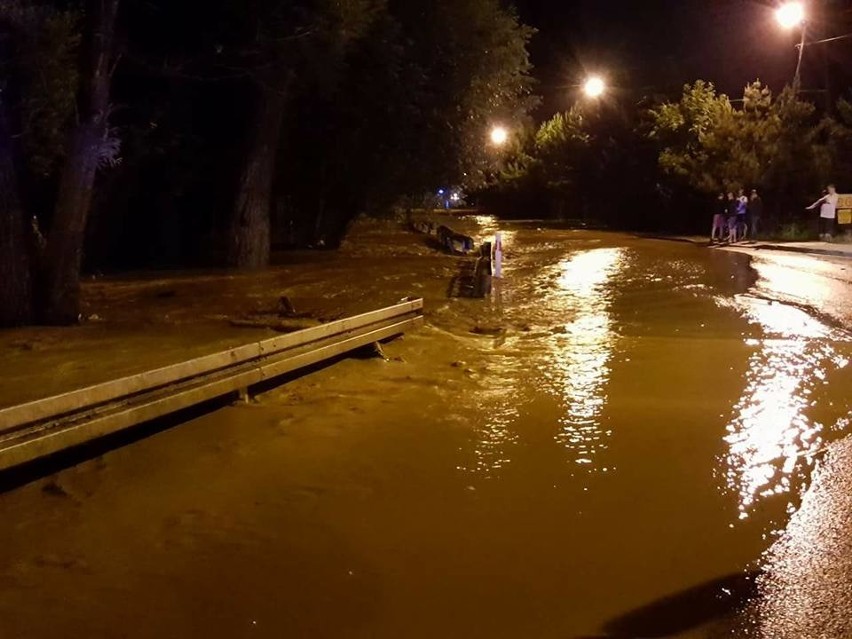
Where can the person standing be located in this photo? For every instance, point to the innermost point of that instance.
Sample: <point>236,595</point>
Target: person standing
<point>732,217</point>
<point>719,215</point>
<point>827,213</point>
<point>741,226</point>
<point>755,212</point>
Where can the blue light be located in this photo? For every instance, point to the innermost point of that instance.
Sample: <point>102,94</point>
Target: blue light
<point>440,191</point>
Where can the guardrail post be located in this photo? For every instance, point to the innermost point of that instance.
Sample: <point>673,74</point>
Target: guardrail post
<point>482,272</point>
<point>498,255</point>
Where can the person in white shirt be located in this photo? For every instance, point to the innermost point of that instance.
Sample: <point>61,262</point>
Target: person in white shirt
<point>827,213</point>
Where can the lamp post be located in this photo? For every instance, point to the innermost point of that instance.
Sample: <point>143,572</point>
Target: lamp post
<point>791,15</point>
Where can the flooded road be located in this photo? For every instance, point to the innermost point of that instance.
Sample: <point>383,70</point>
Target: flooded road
<point>604,447</point>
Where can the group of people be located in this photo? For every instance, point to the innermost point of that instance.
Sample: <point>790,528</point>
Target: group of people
<point>736,216</point>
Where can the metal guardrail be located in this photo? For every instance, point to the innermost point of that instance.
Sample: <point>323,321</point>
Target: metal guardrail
<point>43,427</point>
<point>445,237</point>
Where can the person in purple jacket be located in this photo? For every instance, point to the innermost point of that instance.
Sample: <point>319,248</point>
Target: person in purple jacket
<point>740,229</point>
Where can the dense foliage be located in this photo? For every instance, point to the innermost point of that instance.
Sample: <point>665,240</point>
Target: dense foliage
<point>771,143</point>
<point>138,133</point>
<point>657,164</point>
<point>593,163</point>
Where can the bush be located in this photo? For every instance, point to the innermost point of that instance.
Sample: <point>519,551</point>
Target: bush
<point>796,232</point>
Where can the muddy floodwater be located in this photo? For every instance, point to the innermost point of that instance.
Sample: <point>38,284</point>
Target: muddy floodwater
<point>606,446</point>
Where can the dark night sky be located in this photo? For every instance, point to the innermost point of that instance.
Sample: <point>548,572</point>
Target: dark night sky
<point>650,46</point>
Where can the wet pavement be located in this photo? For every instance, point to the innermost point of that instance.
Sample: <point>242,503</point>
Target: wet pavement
<point>806,587</point>
<point>615,443</point>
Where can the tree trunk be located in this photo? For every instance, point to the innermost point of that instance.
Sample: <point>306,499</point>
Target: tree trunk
<point>60,284</point>
<point>16,303</point>
<point>64,254</point>
<point>248,239</point>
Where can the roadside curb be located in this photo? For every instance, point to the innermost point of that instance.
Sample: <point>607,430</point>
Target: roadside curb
<point>673,238</point>
<point>800,249</point>
<point>754,247</point>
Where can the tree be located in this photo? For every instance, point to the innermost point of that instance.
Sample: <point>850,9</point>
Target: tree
<point>284,39</point>
<point>466,68</point>
<point>91,145</point>
<point>692,135</point>
<point>44,89</point>
<point>318,109</point>
<point>770,142</point>
<point>562,146</point>
<point>15,262</point>
<point>16,294</point>
<point>38,83</point>
<point>839,134</point>
<point>404,109</point>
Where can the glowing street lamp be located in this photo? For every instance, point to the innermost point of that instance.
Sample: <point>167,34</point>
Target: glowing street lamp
<point>594,87</point>
<point>791,15</point>
<point>499,136</point>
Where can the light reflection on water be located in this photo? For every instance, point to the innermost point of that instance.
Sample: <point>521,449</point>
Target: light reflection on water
<point>497,434</point>
<point>771,433</point>
<point>578,365</point>
<point>499,398</point>
<point>572,299</point>
<point>770,436</point>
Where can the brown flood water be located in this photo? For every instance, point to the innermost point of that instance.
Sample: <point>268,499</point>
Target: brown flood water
<point>641,427</point>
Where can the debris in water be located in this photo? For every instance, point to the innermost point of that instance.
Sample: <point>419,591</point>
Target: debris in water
<point>371,351</point>
<point>488,330</point>
<point>54,489</point>
<point>285,307</point>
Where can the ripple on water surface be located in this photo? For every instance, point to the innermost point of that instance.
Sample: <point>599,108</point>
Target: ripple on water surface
<point>773,433</point>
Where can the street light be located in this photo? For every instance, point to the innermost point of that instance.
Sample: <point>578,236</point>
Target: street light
<point>594,87</point>
<point>791,15</point>
<point>499,136</point>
